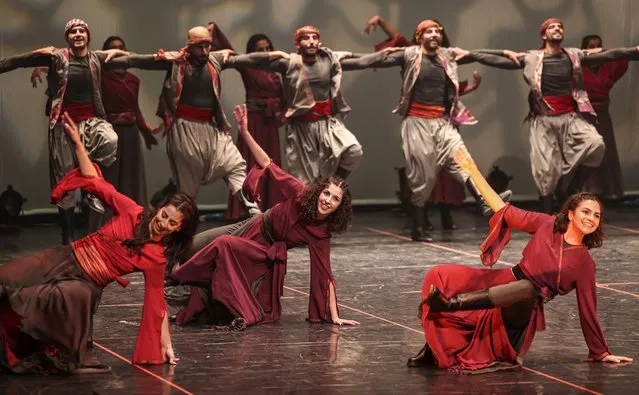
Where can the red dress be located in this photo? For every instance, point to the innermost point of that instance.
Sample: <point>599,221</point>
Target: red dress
<point>447,189</point>
<point>605,180</point>
<point>477,340</point>
<point>246,273</point>
<point>52,295</point>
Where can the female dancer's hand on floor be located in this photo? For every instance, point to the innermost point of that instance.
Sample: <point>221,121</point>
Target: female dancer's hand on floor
<point>169,356</point>
<point>342,322</point>
<point>616,359</point>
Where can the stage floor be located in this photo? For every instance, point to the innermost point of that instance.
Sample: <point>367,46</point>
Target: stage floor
<point>379,274</point>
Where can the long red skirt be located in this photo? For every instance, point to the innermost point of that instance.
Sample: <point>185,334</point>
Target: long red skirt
<point>265,131</point>
<point>468,341</point>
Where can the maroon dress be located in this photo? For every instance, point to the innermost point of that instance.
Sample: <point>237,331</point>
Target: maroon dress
<point>246,273</point>
<point>477,341</point>
<point>447,189</point>
<point>264,102</point>
<point>605,180</point>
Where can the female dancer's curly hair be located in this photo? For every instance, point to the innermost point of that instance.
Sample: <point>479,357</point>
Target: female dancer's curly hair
<point>177,243</point>
<point>341,218</point>
<point>593,240</point>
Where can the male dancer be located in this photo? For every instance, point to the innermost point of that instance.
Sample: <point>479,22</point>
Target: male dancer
<point>199,147</point>
<point>74,87</point>
<point>431,109</point>
<point>560,138</point>
<point>318,144</point>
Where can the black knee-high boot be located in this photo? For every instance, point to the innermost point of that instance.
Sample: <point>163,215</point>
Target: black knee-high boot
<point>446,217</point>
<point>484,208</point>
<point>498,296</point>
<point>425,357</point>
<point>546,203</point>
<point>342,173</point>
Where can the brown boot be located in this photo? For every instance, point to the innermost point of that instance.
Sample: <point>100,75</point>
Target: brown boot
<point>424,358</point>
<point>478,300</point>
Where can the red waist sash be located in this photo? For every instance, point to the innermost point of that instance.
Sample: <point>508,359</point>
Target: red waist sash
<point>321,109</point>
<point>560,104</point>
<point>417,109</point>
<point>78,112</point>
<point>192,113</point>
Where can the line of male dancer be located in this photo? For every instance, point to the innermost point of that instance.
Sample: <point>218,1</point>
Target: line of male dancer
<point>318,144</point>
<point>560,138</point>
<point>431,108</point>
<point>74,75</point>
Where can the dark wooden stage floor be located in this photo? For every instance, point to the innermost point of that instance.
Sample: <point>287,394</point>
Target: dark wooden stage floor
<point>379,275</point>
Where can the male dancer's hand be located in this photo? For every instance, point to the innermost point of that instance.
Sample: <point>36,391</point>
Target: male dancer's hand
<point>72,129</point>
<point>113,53</point>
<point>514,56</point>
<point>459,53</point>
<point>46,50</point>
<point>37,75</point>
<point>372,24</point>
<point>225,54</point>
<point>274,55</point>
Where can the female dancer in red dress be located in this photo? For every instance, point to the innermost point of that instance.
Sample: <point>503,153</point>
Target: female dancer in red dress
<point>48,299</point>
<point>245,271</point>
<point>480,320</point>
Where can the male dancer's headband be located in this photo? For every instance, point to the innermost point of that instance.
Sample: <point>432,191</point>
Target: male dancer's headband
<point>548,22</point>
<point>302,31</point>
<point>425,24</point>
<point>198,35</point>
<point>77,23</point>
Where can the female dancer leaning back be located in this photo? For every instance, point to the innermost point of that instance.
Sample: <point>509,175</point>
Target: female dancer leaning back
<point>47,300</point>
<point>480,320</point>
<point>245,271</point>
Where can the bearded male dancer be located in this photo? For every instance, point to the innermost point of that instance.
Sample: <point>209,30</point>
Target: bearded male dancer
<point>74,75</point>
<point>560,138</point>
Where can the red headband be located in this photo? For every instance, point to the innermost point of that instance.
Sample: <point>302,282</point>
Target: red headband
<point>548,22</point>
<point>303,31</point>
<point>196,41</point>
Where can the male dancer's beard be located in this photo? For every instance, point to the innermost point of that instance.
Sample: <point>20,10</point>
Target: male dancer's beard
<point>198,61</point>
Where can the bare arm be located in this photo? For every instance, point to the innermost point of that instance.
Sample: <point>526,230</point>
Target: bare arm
<point>377,20</point>
<point>463,159</point>
<point>84,163</point>
<point>332,304</point>
<point>261,157</point>
<point>165,342</point>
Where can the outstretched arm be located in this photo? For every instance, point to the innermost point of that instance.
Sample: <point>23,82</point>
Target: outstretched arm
<point>377,20</point>
<point>261,157</point>
<point>388,57</point>
<point>31,59</point>
<point>503,59</point>
<point>113,60</point>
<point>275,61</point>
<point>611,55</point>
<point>464,160</point>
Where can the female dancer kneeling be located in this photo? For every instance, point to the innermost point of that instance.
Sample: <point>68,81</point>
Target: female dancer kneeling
<point>47,300</point>
<point>480,320</point>
<point>245,271</point>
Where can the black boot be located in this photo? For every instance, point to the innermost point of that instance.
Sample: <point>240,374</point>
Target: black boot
<point>446,217</point>
<point>418,233</point>
<point>484,208</point>
<point>67,223</point>
<point>477,300</point>
<point>342,173</point>
<point>427,224</point>
<point>546,204</point>
<point>424,358</point>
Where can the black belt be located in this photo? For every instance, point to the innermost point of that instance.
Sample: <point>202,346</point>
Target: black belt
<point>519,273</point>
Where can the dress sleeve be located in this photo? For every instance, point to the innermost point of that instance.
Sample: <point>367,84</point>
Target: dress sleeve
<point>148,349</point>
<point>500,228</point>
<point>97,186</point>
<point>587,303</point>
<point>288,185</point>
<point>321,277</point>
<point>620,68</point>
<point>397,41</point>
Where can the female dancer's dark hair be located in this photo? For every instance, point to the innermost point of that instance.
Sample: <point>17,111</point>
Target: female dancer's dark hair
<point>592,240</point>
<point>341,218</point>
<point>586,39</point>
<point>110,39</point>
<point>254,39</point>
<point>177,243</point>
